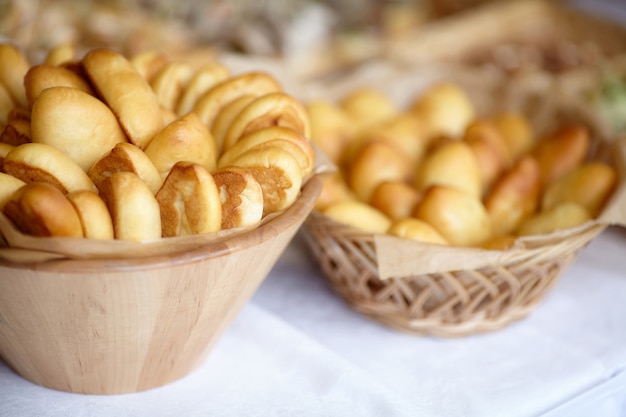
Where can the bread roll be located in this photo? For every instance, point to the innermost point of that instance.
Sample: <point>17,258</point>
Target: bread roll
<point>255,83</point>
<point>241,196</point>
<point>331,128</point>
<point>291,141</point>
<point>185,139</point>
<point>516,132</point>
<point>38,162</point>
<point>377,162</point>
<point>415,229</point>
<point>334,190</point>
<point>170,82</point>
<point>368,106</point>
<point>12,71</point>
<point>560,217</point>
<point>272,109</point>
<point>202,81</point>
<point>8,185</point>
<point>148,63</point>
<point>126,157</point>
<point>445,109</point>
<point>278,173</point>
<point>93,214</point>
<point>225,117</point>
<point>589,185</point>
<point>189,201</point>
<point>561,151</point>
<point>17,129</point>
<point>40,77</point>
<point>515,196</point>
<point>396,199</point>
<point>359,215</point>
<point>453,164</point>
<point>458,216</point>
<point>126,92</point>
<point>39,209</point>
<point>6,105</point>
<point>60,54</point>
<point>134,209</point>
<point>5,148</point>
<point>76,123</point>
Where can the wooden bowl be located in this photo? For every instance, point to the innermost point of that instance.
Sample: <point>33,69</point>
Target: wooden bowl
<point>127,325</point>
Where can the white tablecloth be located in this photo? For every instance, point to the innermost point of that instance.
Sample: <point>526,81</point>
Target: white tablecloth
<point>297,350</point>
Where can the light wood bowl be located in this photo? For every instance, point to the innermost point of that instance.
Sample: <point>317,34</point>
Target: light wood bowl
<point>120,326</point>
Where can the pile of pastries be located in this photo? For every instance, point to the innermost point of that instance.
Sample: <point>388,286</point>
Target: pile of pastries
<point>137,148</point>
<point>435,171</point>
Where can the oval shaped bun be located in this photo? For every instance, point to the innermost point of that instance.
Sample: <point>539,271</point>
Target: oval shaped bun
<point>40,209</point>
<point>134,210</point>
<point>241,196</point>
<point>359,215</point>
<point>76,123</point>
<point>126,92</point>
<point>202,81</point>
<point>12,71</point>
<point>93,214</point>
<point>38,162</point>
<point>40,77</point>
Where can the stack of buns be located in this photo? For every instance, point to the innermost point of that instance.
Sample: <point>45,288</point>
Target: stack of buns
<point>436,171</point>
<point>138,148</point>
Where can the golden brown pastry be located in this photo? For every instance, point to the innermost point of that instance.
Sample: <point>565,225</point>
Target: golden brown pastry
<point>452,164</point>
<point>272,109</point>
<point>278,173</point>
<point>368,106</point>
<point>516,132</point>
<point>6,105</point>
<point>334,190</point>
<point>291,141</point>
<point>40,77</point>
<point>515,196</point>
<point>8,185</point>
<point>559,217</point>
<point>126,92</point>
<point>76,123</point>
<point>12,71</point>
<point>489,147</point>
<point>256,83</point>
<point>225,117</point>
<point>38,162</point>
<point>241,196</point>
<point>17,129</point>
<point>202,81</point>
<point>445,109</point>
<point>60,54</point>
<point>376,162</point>
<point>189,201</point>
<point>170,82</point>
<point>134,210</point>
<point>148,63</point>
<point>396,199</point>
<point>126,157</point>
<point>561,151</point>
<point>415,229</point>
<point>359,215</point>
<point>458,216</point>
<point>5,148</point>
<point>589,185</point>
<point>93,214</point>
<point>185,139</point>
<point>331,128</point>
<point>39,209</point>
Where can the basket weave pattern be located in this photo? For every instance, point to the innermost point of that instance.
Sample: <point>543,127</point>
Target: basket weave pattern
<point>444,304</point>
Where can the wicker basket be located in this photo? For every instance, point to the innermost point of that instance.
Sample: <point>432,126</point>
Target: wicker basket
<point>454,291</point>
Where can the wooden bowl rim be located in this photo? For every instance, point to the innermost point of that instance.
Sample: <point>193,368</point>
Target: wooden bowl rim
<point>296,212</point>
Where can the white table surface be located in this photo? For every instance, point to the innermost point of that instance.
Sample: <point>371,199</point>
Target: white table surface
<point>296,349</point>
